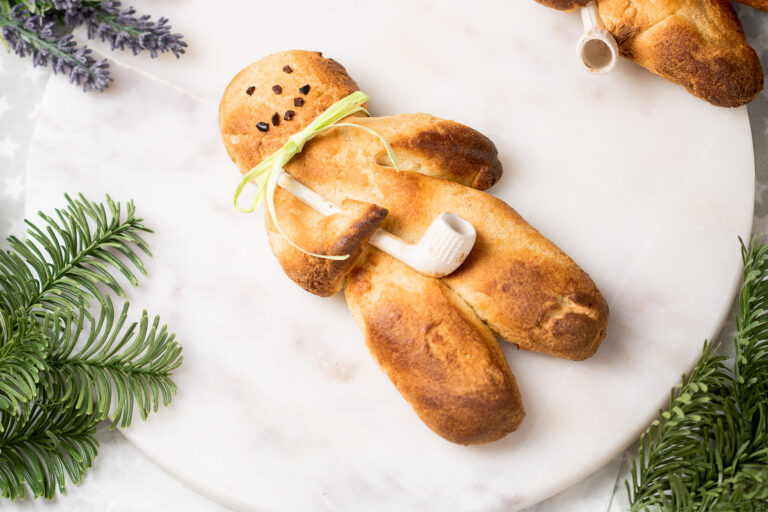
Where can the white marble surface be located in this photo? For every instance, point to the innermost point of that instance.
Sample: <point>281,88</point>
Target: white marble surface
<point>121,480</point>
<point>280,406</point>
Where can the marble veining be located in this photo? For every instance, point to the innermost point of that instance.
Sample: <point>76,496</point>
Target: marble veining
<point>280,406</point>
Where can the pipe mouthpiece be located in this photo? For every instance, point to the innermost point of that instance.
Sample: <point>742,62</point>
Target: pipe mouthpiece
<point>597,49</point>
<point>598,52</point>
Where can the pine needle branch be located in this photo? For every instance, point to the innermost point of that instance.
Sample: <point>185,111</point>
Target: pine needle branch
<point>40,452</point>
<point>709,450</point>
<point>63,265</point>
<point>67,360</point>
<point>22,357</point>
<point>132,364</point>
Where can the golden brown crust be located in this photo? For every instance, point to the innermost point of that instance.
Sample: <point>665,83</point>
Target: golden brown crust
<point>239,112</point>
<point>697,44</point>
<point>335,235</point>
<point>535,296</point>
<point>437,147</point>
<point>564,5</point>
<point>428,335</point>
<point>516,280</point>
<point>444,362</point>
<point>757,4</point>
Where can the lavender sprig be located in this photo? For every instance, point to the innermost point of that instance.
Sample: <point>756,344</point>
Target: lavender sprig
<point>123,30</point>
<point>37,36</point>
<point>35,28</point>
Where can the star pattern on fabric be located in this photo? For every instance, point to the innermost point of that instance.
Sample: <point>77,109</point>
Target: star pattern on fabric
<point>34,73</point>
<point>21,89</point>
<point>7,147</point>
<point>17,228</point>
<point>14,187</point>
<point>4,107</point>
<point>33,112</point>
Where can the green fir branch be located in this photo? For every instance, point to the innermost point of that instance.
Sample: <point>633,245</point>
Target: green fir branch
<point>63,264</point>
<point>708,452</point>
<point>40,452</point>
<point>22,357</point>
<point>132,365</point>
<point>67,360</point>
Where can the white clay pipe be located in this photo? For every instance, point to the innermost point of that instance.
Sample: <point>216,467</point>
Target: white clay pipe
<point>597,48</point>
<point>444,246</point>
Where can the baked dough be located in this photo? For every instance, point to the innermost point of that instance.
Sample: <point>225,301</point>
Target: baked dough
<point>336,235</point>
<point>564,5</point>
<point>698,44</point>
<point>434,338</point>
<point>438,354</point>
<point>757,4</point>
<point>519,283</point>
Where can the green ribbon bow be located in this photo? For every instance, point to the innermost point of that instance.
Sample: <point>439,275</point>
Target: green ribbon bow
<point>265,174</point>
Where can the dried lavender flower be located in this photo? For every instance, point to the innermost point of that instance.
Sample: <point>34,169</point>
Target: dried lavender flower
<point>61,5</point>
<point>29,34</point>
<point>123,30</point>
<point>35,28</point>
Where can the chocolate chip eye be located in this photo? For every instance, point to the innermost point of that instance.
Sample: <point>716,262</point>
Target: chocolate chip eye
<point>298,102</point>
<point>277,89</point>
<point>262,127</point>
<point>304,90</point>
<point>287,69</point>
<point>249,91</point>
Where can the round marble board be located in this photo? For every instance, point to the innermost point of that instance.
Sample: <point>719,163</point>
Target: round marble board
<point>280,406</point>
